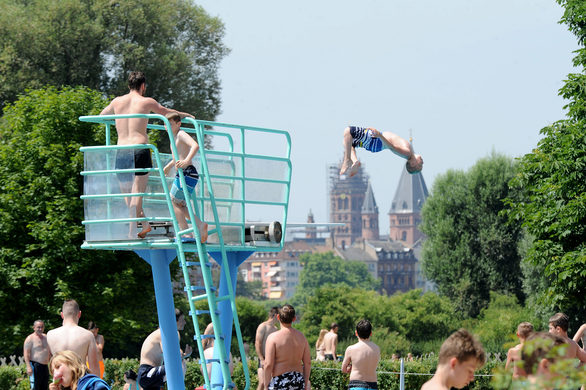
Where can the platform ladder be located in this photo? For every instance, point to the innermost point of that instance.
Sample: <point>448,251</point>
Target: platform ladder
<point>205,266</point>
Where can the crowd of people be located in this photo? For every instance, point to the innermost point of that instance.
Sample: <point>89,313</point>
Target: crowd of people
<point>69,353</point>
<point>73,355</point>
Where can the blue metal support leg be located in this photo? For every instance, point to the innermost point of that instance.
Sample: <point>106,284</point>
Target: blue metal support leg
<point>226,317</point>
<point>159,259</point>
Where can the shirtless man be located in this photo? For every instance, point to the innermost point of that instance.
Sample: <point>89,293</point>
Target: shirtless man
<point>36,356</point>
<point>361,359</point>
<point>72,337</point>
<point>558,325</point>
<point>93,327</point>
<point>151,373</point>
<point>133,131</point>
<point>262,333</point>
<point>514,354</point>
<point>331,342</point>
<point>287,363</point>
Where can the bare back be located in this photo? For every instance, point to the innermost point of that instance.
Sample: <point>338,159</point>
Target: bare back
<point>330,343</point>
<point>574,351</point>
<point>263,331</point>
<point>151,352</point>
<point>288,347</point>
<point>513,356</point>
<point>38,348</point>
<point>74,338</point>
<point>133,130</point>
<point>364,357</point>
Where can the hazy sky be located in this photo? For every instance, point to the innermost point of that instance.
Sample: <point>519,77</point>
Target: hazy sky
<point>466,76</point>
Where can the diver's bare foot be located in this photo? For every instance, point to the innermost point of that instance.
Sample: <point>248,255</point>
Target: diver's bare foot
<point>203,232</point>
<point>345,166</point>
<point>354,169</point>
<point>146,227</point>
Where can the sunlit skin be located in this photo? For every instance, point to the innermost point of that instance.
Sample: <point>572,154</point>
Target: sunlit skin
<point>62,375</point>
<point>463,372</point>
<point>452,373</point>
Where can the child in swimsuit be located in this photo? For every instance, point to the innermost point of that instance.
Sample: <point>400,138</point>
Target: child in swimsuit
<point>374,141</point>
<point>187,147</point>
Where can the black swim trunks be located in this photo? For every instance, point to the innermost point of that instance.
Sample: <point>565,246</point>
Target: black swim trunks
<point>291,380</point>
<point>40,378</point>
<point>151,378</point>
<point>362,385</point>
<point>133,158</point>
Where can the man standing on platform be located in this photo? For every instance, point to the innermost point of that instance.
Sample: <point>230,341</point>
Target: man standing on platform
<point>133,131</point>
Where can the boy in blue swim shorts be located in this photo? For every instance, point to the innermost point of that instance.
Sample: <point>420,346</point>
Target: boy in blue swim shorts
<point>374,141</point>
<point>187,147</point>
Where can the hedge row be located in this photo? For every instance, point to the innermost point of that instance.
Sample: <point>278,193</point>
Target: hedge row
<point>324,375</point>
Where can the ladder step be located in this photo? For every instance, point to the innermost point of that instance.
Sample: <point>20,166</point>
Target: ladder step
<point>200,312</point>
<point>232,385</point>
<point>186,240</point>
<point>212,231</point>
<point>199,297</point>
<point>195,288</point>
<point>196,264</point>
<point>223,298</point>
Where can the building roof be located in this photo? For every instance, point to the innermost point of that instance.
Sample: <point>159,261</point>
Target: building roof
<point>369,205</point>
<point>410,195</point>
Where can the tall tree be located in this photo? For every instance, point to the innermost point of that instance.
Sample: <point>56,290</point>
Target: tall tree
<point>97,42</point>
<point>41,262</point>
<point>553,181</point>
<point>320,269</point>
<point>470,249</point>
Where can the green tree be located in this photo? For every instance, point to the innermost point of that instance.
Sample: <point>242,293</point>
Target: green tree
<point>97,42</point>
<point>320,269</point>
<point>340,304</point>
<point>497,324</point>
<point>553,181</point>
<point>421,317</point>
<point>251,290</point>
<point>41,262</point>
<point>470,249</point>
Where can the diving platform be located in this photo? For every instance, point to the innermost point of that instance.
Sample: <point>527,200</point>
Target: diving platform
<point>242,194</point>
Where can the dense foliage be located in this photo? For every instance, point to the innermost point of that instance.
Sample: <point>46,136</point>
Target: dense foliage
<point>321,269</point>
<point>97,42</point>
<point>553,181</point>
<point>41,262</point>
<point>470,249</point>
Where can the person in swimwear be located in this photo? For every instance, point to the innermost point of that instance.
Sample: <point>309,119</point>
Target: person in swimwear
<point>287,363</point>
<point>263,331</point>
<point>331,343</point>
<point>187,147</point>
<point>151,372</point>
<point>93,327</point>
<point>374,141</point>
<point>72,337</point>
<point>133,131</point>
<point>361,359</point>
<point>459,356</point>
<point>36,356</point>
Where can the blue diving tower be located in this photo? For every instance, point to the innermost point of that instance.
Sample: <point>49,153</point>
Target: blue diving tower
<point>242,194</point>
